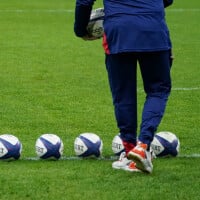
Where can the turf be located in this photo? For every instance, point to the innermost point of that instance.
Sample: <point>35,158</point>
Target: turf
<point>53,82</point>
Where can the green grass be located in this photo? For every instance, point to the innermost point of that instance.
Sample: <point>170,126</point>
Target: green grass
<point>53,82</point>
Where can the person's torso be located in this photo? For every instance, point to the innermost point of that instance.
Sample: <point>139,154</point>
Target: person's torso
<point>135,25</point>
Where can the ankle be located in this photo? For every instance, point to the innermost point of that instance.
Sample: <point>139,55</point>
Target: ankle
<point>128,146</point>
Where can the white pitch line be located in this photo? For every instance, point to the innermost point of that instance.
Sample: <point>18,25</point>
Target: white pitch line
<point>71,10</point>
<point>183,10</point>
<point>75,158</point>
<point>178,89</point>
<point>39,10</point>
<point>195,155</point>
<point>111,158</point>
<point>186,89</point>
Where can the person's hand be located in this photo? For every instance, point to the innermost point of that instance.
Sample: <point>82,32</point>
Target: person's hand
<point>89,37</point>
<point>171,58</point>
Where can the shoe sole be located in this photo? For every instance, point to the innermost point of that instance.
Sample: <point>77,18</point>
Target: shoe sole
<point>127,169</point>
<point>141,163</point>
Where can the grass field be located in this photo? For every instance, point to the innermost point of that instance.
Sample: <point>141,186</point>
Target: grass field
<point>53,82</point>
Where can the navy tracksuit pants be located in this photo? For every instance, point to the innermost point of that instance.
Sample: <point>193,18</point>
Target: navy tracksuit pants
<point>122,75</point>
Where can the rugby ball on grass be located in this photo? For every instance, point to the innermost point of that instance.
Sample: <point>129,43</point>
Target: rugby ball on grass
<point>49,146</point>
<point>95,25</point>
<point>10,147</point>
<point>117,145</point>
<point>165,144</point>
<point>88,144</point>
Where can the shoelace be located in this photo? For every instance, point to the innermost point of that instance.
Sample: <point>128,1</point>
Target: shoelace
<point>122,156</point>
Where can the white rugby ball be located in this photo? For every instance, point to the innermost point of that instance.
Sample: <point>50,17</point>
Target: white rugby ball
<point>10,147</point>
<point>165,144</point>
<point>49,146</point>
<point>88,144</point>
<point>95,25</point>
<point>117,145</point>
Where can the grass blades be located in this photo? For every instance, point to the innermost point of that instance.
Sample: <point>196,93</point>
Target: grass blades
<point>53,82</point>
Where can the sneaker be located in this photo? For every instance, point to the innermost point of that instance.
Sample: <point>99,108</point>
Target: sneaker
<point>141,157</point>
<point>131,167</point>
<point>125,164</point>
<point>153,155</point>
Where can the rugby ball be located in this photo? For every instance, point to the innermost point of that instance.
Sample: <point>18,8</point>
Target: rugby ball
<point>117,145</point>
<point>88,144</point>
<point>95,25</point>
<point>49,146</point>
<point>165,144</point>
<point>10,147</point>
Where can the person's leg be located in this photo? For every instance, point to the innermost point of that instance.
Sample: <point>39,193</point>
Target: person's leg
<point>121,70</point>
<point>155,70</point>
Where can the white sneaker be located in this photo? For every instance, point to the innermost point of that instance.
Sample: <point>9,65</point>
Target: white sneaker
<point>125,164</point>
<point>141,157</point>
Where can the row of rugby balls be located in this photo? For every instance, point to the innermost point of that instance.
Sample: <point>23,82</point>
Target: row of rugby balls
<point>50,146</point>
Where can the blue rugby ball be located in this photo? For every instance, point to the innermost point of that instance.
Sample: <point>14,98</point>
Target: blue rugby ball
<point>49,146</point>
<point>88,144</point>
<point>10,147</point>
<point>165,144</point>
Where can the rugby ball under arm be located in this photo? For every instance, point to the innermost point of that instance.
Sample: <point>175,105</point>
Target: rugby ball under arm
<point>95,25</point>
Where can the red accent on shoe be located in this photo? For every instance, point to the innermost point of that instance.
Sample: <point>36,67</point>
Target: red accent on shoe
<point>141,153</point>
<point>140,149</point>
<point>132,165</point>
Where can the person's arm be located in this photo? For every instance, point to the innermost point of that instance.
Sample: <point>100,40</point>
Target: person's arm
<point>167,3</point>
<point>82,16</point>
